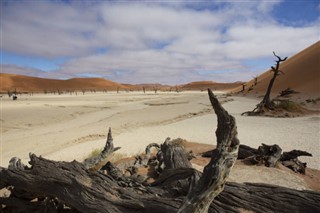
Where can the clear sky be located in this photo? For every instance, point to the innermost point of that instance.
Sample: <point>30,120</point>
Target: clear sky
<point>167,42</point>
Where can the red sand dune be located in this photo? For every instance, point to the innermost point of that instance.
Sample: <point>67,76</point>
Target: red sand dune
<point>301,73</point>
<point>203,85</point>
<point>10,82</point>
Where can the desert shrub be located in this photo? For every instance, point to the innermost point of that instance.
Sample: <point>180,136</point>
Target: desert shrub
<point>95,152</point>
<point>289,106</point>
<point>112,158</point>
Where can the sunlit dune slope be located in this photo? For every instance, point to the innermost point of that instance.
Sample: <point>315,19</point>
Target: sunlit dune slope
<point>301,73</point>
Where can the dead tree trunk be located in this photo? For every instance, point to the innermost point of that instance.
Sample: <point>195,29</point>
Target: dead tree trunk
<point>155,90</point>
<point>177,89</point>
<point>266,103</point>
<point>243,87</point>
<point>215,173</point>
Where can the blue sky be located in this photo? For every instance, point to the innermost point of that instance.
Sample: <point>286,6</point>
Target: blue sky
<point>167,42</point>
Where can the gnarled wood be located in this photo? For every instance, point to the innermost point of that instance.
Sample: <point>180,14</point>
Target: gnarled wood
<point>143,161</point>
<point>290,160</point>
<point>174,154</point>
<point>215,173</point>
<point>93,191</point>
<point>269,156</point>
<point>107,151</point>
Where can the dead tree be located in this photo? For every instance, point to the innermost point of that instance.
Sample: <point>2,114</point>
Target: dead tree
<point>211,183</point>
<point>144,89</point>
<point>177,89</point>
<point>50,186</point>
<point>267,103</point>
<point>155,89</point>
<point>243,87</point>
<point>255,80</point>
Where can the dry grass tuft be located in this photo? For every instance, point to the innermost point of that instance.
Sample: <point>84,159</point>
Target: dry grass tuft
<point>95,152</point>
<point>289,106</point>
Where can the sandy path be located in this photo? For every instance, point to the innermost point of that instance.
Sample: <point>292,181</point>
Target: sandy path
<point>70,128</point>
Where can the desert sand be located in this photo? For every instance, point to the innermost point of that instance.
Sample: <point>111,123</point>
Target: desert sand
<point>67,127</point>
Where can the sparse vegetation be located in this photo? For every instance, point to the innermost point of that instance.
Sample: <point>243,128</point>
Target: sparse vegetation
<point>95,152</point>
<point>289,106</point>
<point>113,157</point>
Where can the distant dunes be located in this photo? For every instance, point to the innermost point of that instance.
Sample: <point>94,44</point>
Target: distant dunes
<point>301,73</point>
<point>11,82</point>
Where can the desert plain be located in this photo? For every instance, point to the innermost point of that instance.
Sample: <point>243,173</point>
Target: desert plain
<point>70,127</point>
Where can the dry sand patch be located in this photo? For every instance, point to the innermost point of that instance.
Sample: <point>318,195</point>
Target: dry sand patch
<point>73,131</point>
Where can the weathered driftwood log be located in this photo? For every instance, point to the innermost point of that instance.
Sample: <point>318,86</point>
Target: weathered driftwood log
<point>107,151</point>
<point>93,191</point>
<point>143,161</point>
<point>269,156</point>
<point>290,160</point>
<point>70,186</point>
<point>244,152</point>
<point>265,154</point>
<point>174,155</point>
<point>293,155</point>
<point>146,158</point>
<point>211,183</point>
